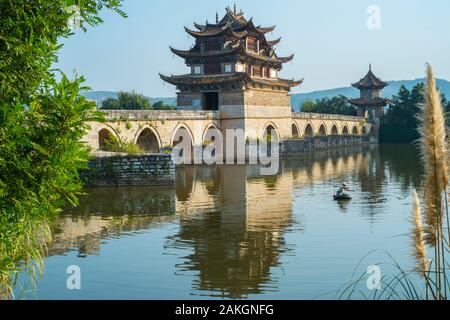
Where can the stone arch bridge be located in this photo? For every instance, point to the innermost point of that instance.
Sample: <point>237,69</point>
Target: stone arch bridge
<point>157,130</point>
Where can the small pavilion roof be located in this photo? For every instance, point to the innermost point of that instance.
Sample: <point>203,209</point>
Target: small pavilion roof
<point>372,102</point>
<point>370,81</point>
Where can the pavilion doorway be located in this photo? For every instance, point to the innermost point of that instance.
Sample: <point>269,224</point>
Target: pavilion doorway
<point>211,100</point>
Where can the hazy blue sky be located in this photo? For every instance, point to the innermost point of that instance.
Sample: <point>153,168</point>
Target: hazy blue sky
<point>331,41</point>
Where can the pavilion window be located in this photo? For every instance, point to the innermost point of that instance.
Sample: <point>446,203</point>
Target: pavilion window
<point>249,69</point>
<point>273,73</point>
<point>252,45</point>
<point>212,68</point>
<point>239,67</point>
<point>257,71</point>
<point>197,70</point>
<point>228,68</point>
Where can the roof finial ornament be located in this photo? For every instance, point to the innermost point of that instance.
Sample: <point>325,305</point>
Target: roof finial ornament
<point>235,7</point>
<point>217,17</point>
<point>370,66</point>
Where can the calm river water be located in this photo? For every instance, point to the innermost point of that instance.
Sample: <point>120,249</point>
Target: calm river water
<point>227,232</point>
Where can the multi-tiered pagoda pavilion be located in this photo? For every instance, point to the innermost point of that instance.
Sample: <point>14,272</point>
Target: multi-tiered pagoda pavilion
<point>370,104</point>
<point>370,101</point>
<point>230,58</point>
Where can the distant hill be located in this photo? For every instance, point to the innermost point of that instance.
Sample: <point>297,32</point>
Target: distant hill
<point>299,98</point>
<point>99,96</point>
<point>350,92</point>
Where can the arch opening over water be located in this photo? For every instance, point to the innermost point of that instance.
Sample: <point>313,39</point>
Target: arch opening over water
<point>345,130</point>
<point>295,131</point>
<point>148,141</point>
<point>309,132</point>
<point>334,130</point>
<point>183,144</point>
<point>322,130</point>
<point>104,136</point>
<point>271,133</point>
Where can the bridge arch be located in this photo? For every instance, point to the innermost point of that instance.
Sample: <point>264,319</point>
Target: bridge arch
<point>104,135</point>
<point>334,129</point>
<point>345,130</point>
<point>268,128</point>
<point>212,137</point>
<point>322,130</point>
<point>309,130</point>
<point>295,130</point>
<point>211,133</point>
<point>181,130</point>
<point>148,140</point>
<point>182,142</point>
<point>361,130</point>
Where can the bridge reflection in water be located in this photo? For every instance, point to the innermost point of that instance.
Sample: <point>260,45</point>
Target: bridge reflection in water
<point>232,223</point>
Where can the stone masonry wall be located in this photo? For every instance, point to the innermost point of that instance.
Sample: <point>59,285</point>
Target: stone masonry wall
<point>305,146</point>
<point>267,98</point>
<point>129,170</point>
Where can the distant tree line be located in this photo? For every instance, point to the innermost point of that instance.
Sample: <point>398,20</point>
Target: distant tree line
<point>335,105</point>
<point>399,124</point>
<point>133,101</point>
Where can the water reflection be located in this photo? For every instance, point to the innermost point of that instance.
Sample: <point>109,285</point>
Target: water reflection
<point>110,212</point>
<point>235,243</point>
<point>233,225</point>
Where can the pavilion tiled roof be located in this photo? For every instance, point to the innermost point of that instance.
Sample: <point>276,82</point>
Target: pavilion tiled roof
<point>193,54</point>
<point>199,80</point>
<point>274,59</point>
<point>238,76</point>
<point>273,42</point>
<point>370,81</point>
<point>277,82</point>
<point>196,54</point>
<point>366,102</point>
<point>216,32</point>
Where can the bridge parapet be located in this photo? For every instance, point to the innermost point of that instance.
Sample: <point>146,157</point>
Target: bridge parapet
<point>322,116</point>
<point>142,115</point>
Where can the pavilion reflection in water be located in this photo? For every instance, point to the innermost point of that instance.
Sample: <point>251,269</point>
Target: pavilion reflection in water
<point>232,221</point>
<point>234,242</point>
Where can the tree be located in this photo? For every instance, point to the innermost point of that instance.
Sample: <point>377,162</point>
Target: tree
<point>127,101</point>
<point>335,105</point>
<point>399,124</point>
<point>41,123</point>
<point>110,104</point>
<point>307,106</point>
<point>160,105</point>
